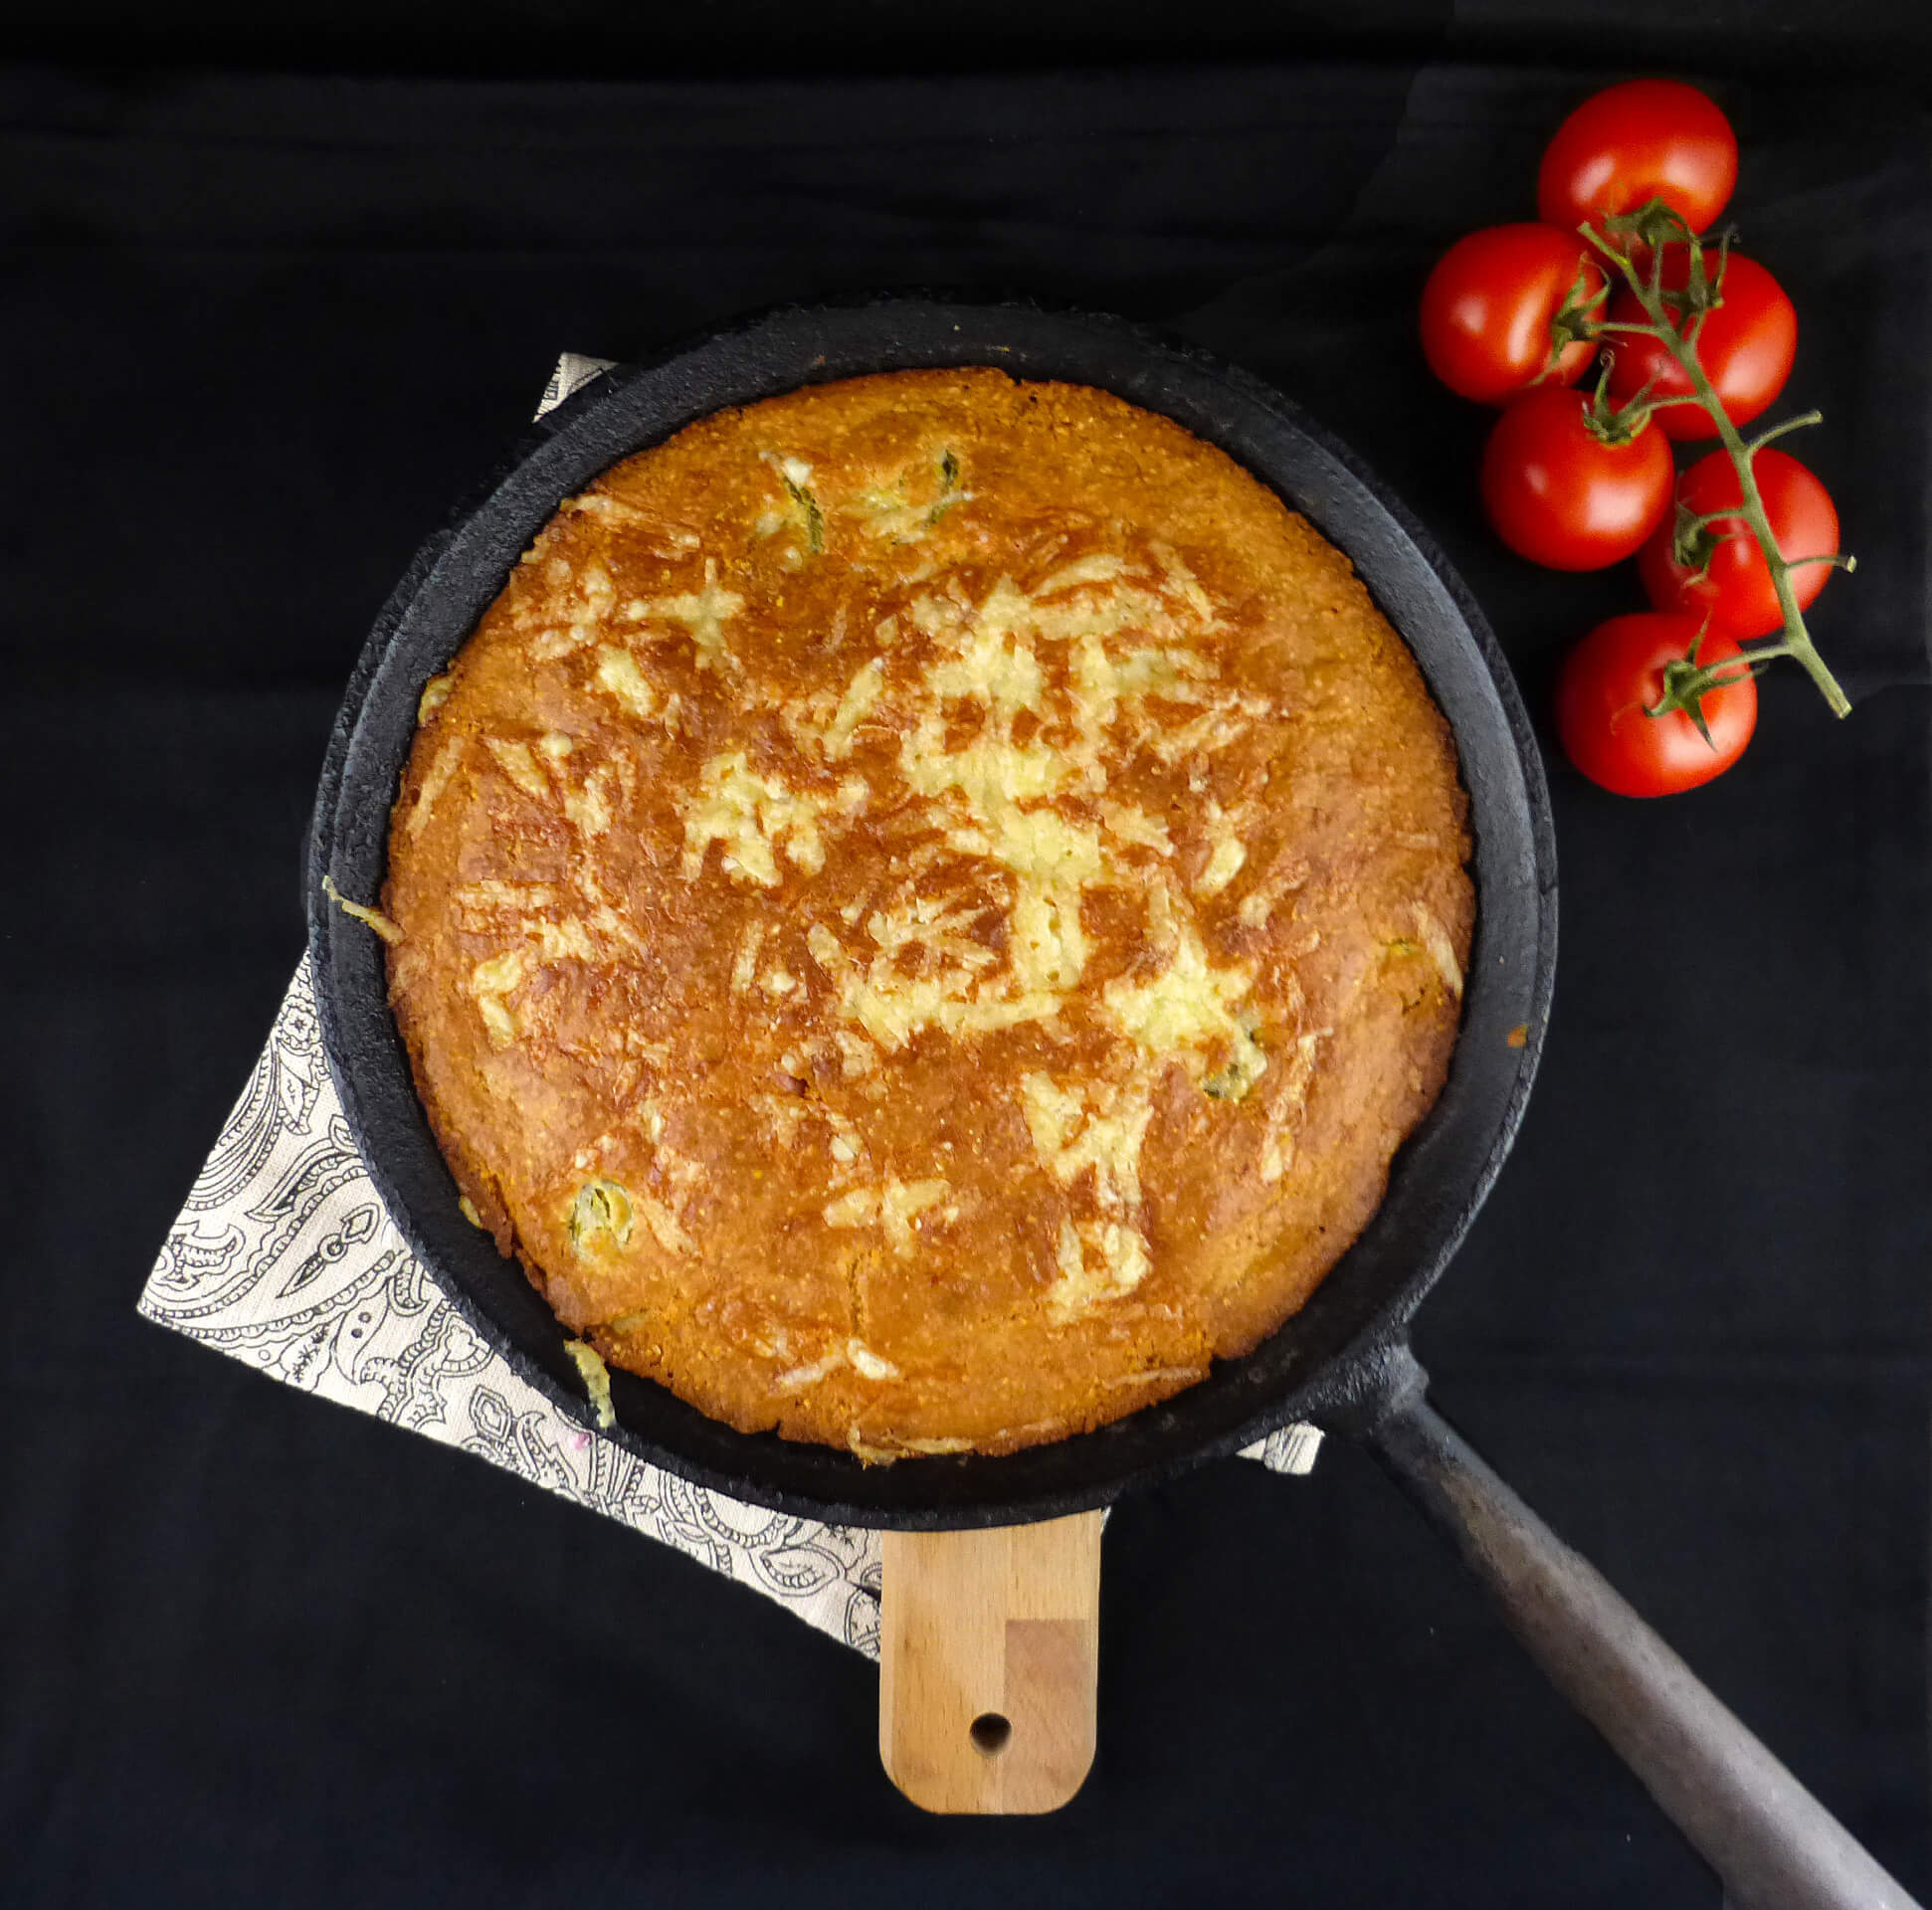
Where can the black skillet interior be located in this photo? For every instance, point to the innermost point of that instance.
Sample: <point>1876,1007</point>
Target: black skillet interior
<point>1317,1361</point>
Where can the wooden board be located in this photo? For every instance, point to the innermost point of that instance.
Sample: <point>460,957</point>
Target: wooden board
<point>981,1631</point>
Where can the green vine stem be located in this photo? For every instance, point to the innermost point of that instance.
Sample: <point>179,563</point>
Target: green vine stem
<point>1655,226</point>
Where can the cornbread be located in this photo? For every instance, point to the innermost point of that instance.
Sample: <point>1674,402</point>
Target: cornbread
<point>924,910</point>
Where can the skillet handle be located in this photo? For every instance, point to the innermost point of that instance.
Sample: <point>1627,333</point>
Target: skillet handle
<point>1773,1843</point>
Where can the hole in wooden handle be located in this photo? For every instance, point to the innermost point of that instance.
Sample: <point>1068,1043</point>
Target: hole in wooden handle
<point>988,1653</point>
<point>991,1733</point>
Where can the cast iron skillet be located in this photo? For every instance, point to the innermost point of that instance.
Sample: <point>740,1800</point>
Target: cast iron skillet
<point>1344,1361</point>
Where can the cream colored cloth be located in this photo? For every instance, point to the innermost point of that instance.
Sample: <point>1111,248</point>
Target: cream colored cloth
<point>283,1257</point>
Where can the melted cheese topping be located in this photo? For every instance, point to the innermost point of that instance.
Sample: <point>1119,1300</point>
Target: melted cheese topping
<point>1090,1125</point>
<point>516,762</point>
<point>854,708</point>
<point>1019,760</point>
<point>1029,816</point>
<point>1436,940</point>
<point>443,765</point>
<point>1095,1260</point>
<point>702,613</point>
<point>753,816</point>
<point>865,918</point>
<point>489,982</point>
<point>893,1206</point>
<point>1186,1012</point>
<point>617,675</point>
<point>998,798</point>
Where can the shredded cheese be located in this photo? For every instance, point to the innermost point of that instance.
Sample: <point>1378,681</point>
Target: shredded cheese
<point>753,816</point>
<point>370,917</point>
<point>596,1377</point>
<point>892,1206</point>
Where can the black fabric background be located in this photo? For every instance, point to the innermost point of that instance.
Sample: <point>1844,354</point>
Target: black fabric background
<point>259,331</point>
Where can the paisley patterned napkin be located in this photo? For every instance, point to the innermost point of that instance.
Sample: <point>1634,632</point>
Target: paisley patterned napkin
<point>285,1258</point>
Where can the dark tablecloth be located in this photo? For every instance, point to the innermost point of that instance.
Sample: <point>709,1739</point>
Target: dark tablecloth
<point>260,334</point>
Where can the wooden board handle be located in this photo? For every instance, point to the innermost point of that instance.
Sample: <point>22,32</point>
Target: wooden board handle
<point>989,1664</point>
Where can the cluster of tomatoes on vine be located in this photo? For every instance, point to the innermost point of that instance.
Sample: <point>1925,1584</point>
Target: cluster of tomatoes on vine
<point>1616,265</point>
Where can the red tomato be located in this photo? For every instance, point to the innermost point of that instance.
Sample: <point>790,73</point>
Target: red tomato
<point>1558,494</point>
<point>1488,305</point>
<point>1612,680</point>
<point>1735,589</point>
<point>1745,345</point>
<point>1628,144</point>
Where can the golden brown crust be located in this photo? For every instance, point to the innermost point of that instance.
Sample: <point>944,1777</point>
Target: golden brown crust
<point>928,905</point>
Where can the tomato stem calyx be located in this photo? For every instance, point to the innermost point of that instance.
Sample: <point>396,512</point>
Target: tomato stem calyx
<point>1576,320</point>
<point>1695,539</point>
<point>1686,681</point>
<point>1615,423</point>
<point>1676,316</point>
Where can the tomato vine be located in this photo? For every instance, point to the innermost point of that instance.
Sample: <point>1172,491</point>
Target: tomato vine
<point>1675,319</point>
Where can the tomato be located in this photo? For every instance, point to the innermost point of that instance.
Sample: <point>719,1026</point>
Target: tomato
<point>1489,307</point>
<point>1558,494</point>
<point>1736,589</point>
<point>1628,144</point>
<point>1745,345</point>
<point>1613,678</point>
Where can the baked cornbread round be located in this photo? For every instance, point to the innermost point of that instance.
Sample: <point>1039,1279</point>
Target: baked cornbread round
<point>927,907</point>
